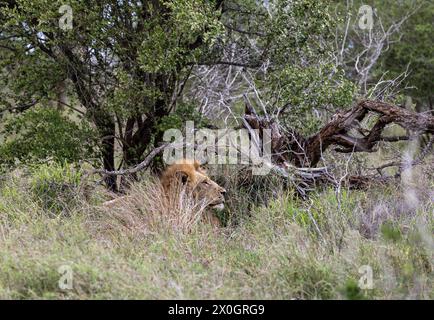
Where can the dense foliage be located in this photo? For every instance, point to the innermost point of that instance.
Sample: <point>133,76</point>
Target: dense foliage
<point>42,134</point>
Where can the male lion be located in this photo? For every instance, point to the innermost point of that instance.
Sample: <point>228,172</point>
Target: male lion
<point>197,184</point>
<point>185,179</point>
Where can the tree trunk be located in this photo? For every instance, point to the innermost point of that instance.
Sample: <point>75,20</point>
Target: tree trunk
<point>107,131</point>
<point>141,130</point>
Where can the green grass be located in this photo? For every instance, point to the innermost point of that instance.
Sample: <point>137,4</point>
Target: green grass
<point>286,249</point>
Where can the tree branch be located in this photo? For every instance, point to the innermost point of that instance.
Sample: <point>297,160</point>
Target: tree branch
<point>141,166</point>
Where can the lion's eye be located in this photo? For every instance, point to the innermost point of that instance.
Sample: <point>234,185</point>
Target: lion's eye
<point>206,182</point>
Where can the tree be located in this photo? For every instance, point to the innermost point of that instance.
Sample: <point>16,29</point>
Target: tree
<point>126,63</point>
<point>415,51</point>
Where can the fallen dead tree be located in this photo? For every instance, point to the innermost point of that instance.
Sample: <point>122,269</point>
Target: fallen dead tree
<point>345,134</point>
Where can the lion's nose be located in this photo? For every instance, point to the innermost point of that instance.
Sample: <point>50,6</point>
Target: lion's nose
<point>223,192</point>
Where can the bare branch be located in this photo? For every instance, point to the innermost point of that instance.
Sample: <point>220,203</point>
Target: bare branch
<point>141,166</point>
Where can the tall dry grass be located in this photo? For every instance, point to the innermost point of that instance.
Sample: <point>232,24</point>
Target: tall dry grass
<point>282,248</point>
<point>148,208</point>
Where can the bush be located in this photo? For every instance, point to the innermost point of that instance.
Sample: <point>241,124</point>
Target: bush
<point>55,185</point>
<point>45,133</point>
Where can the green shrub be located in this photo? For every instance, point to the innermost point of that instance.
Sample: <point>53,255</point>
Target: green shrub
<point>54,186</point>
<point>42,134</point>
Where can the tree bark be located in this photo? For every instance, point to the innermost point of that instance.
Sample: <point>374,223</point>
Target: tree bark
<point>107,130</point>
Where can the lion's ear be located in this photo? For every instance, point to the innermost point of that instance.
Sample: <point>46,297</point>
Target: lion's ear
<point>196,165</point>
<point>181,176</point>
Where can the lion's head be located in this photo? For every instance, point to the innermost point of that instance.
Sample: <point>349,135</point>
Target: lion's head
<point>189,173</point>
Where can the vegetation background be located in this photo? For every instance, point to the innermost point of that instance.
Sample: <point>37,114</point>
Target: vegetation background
<point>101,94</point>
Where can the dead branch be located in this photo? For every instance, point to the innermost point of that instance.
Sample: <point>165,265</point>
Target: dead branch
<point>344,132</point>
<point>141,166</point>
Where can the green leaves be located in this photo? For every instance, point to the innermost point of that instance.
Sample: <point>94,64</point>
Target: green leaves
<point>177,119</point>
<point>43,134</point>
<point>169,38</point>
<point>415,49</point>
<point>305,89</point>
